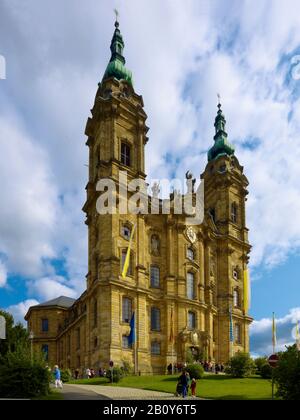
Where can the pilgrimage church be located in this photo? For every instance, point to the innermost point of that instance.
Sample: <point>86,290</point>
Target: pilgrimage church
<point>185,287</point>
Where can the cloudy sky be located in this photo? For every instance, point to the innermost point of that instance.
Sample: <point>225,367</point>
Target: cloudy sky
<point>182,53</point>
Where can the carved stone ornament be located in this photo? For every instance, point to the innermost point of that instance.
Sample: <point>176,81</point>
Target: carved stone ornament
<point>155,245</point>
<point>191,235</point>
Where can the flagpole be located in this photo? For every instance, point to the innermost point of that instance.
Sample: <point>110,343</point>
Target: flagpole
<point>135,346</point>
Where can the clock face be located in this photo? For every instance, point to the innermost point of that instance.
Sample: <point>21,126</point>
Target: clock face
<point>191,234</point>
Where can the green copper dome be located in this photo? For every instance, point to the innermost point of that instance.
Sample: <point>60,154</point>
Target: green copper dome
<point>116,66</point>
<point>222,147</point>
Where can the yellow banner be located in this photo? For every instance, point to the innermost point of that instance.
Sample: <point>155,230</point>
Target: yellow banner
<point>127,259</point>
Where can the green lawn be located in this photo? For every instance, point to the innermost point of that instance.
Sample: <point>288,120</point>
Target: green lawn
<point>210,387</point>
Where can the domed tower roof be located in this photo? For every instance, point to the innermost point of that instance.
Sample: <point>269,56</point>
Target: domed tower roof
<point>222,146</point>
<point>116,66</point>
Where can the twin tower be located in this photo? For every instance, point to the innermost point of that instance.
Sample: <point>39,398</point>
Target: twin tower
<point>185,282</point>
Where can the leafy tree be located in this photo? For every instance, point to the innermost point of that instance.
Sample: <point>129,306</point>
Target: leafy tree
<point>259,363</point>
<point>189,357</point>
<point>196,371</point>
<point>240,365</point>
<point>16,335</point>
<point>287,374</point>
<point>266,371</point>
<point>23,375</point>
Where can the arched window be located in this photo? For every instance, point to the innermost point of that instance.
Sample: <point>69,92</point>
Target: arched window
<point>191,320</point>
<point>234,212</point>
<point>212,213</point>
<point>236,273</point>
<point>154,276</point>
<point>190,254</point>
<point>155,319</point>
<point>236,298</point>
<point>190,286</point>
<point>126,309</point>
<point>237,333</point>
<point>125,154</point>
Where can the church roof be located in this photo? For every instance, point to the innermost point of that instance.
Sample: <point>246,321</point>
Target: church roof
<point>62,301</point>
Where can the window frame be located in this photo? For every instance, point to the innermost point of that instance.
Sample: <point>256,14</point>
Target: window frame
<point>153,344</point>
<point>127,309</point>
<point>125,158</point>
<point>153,281</point>
<point>155,319</point>
<point>194,326</point>
<point>43,321</point>
<point>188,295</point>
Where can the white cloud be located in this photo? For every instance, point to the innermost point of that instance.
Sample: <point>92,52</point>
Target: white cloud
<point>261,333</point>
<point>3,275</point>
<point>48,288</point>
<point>20,309</point>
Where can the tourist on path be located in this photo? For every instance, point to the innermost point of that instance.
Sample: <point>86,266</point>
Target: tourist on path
<point>184,383</point>
<point>57,377</point>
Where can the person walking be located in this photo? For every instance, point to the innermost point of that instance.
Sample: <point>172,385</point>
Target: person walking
<point>188,383</point>
<point>57,377</point>
<point>76,373</point>
<point>184,383</point>
<point>193,387</point>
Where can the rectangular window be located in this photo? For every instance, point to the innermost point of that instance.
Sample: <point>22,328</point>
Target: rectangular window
<point>45,351</point>
<point>237,335</point>
<point>191,320</point>
<point>154,276</point>
<point>126,309</point>
<point>190,286</point>
<point>125,154</point>
<point>125,342</point>
<point>155,319</point>
<point>45,325</point>
<point>155,348</point>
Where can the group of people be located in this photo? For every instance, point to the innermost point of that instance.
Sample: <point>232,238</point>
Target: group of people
<point>90,373</point>
<point>208,367</point>
<point>184,384</point>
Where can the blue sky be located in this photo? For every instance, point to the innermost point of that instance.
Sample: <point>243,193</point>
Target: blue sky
<point>181,57</point>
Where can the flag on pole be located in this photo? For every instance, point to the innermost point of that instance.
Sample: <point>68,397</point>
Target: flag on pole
<point>171,339</point>
<point>247,291</point>
<point>131,337</point>
<point>274,334</point>
<point>127,258</point>
<point>231,335</point>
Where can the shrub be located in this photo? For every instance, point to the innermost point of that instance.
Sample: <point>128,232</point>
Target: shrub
<point>21,377</point>
<point>259,363</point>
<point>65,375</point>
<point>287,374</point>
<point>196,371</point>
<point>266,371</point>
<point>127,369</point>
<point>240,365</point>
<point>117,374</point>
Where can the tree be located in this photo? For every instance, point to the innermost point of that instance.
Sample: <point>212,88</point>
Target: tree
<point>15,335</point>
<point>240,365</point>
<point>259,363</point>
<point>287,374</point>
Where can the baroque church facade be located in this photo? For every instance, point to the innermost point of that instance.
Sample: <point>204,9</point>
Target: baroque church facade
<point>185,284</point>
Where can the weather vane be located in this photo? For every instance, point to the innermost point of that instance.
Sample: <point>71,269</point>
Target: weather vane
<point>219,98</point>
<point>117,14</point>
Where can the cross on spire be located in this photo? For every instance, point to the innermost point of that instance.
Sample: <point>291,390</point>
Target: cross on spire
<point>117,14</point>
<point>219,100</point>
